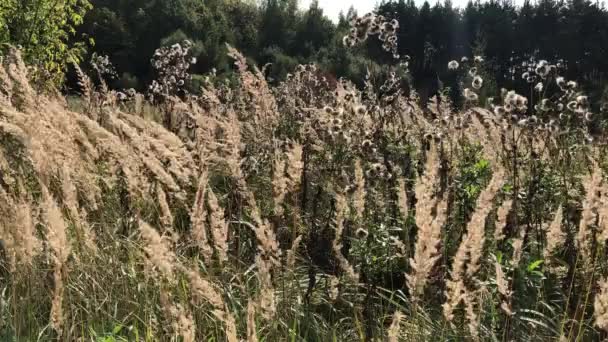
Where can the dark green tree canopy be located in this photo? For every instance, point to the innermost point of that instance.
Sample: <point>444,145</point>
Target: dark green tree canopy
<point>52,34</point>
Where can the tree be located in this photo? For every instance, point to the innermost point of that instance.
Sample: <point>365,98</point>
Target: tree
<point>314,32</point>
<point>45,30</point>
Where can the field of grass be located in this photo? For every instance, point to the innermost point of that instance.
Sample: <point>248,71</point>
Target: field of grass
<point>306,211</point>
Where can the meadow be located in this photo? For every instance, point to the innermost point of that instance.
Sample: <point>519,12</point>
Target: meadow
<point>307,210</point>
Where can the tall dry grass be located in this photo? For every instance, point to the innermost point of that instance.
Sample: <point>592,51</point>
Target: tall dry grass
<point>303,211</point>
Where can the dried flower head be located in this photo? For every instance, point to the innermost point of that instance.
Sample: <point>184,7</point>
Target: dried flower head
<point>542,69</point>
<point>500,110</point>
<point>477,82</point>
<point>470,95</point>
<point>361,234</point>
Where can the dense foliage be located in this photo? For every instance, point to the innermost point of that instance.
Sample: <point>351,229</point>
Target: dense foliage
<point>276,31</point>
<point>44,29</point>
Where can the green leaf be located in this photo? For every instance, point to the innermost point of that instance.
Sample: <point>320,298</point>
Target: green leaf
<point>117,329</point>
<point>499,256</point>
<point>481,165</point>
<point>534,265</point>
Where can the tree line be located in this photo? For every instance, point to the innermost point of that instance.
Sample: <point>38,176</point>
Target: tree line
<point>55,32</point>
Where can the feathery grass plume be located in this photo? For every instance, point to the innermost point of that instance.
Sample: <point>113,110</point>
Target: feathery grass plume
<point>333,288</point>
<point>263,113</point>
<point>22,93</point>
<point>203,289</point>
<point>218,226</point>
<point>601,305</point>
<point>6,88</point>
<point>146,152</point>
<point>252,334</point>
<point>286,176</point>
<point>341,207</point>
<point>556,237</point>
<point>266,298</point>
<point>182,322</point>
<point>70,200</point>
<point>8,243</point>
<point>470,302</point>
<point>424,189</point>
<point>426,251</point>
<point>294,166</point>
<point>293,251</point>
<point>518,246</point>
<point>57,240</point>
<point>159,255</point>
<point>231,331</point>
<point>18,230</point>
<point>267,241</point>
<point>86,87</point>
<point>166,217</point>
<point>487,133</point>
<point>198,217</point>
<point>603,213</point>
<point>475,227</point>
<point>359,193</point>
<point>402,197</point>
<point>501,219</point>
<point>466,262</point>
<point>27,243</point>
<point>56,137</point>
<point>502,284</point>
<point>279,184</point>
<point>395,328</point>
<point>166,146</point>
<point>266,237</point>
<point>584,237</point>
<point>268,244</point>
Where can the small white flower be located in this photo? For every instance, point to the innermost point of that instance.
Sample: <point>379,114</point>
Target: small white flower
<point>477,82</point>
<point>545,105</point>
<point>500,111</point>
<point>520,102</point>
<point>453,65</point>
<point>582,100</point>
<point>361,233</point>
<point>470,95</point>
